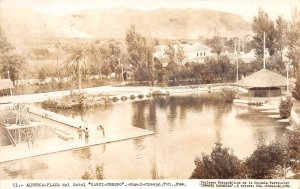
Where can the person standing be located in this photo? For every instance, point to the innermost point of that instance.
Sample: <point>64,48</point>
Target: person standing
<point>79,131</point>
<point>86,135</point>
<point>101,128</point>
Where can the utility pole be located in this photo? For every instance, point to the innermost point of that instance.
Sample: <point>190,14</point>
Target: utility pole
<point>287,77</point>
<point>264,50</point>
<point>239,46</point>
<point>237,61</point>
<point>10,91</point>
<point>121,70</point>
<point>237,69</point>
<point>243,45</point>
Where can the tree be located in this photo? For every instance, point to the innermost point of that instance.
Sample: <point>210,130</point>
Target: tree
<point>42,74</point>
<point>281,29</point>
<point>264,160</point>
<point>142,74</point>
<point>224,63</point>
<point>220,164</point>
<point>158,72</point>
<point>95,57</point>
<point>110,54</point>
<point>9,60</point>
<point>180,54</point>
<point>12,63</point>
<point>217,44</point>
<point>75,63</point>
<point>136,46</point>
<point>58,47</point>
<point>293,45</point>
<point>140,50</point>
<point>171,54</point>
<point>106,70</point>
<point>260,25</point>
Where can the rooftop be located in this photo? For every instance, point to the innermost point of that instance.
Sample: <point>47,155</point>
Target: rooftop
<point>263,78</point>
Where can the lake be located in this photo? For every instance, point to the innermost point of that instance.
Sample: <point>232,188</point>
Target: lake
<point>185,127</point>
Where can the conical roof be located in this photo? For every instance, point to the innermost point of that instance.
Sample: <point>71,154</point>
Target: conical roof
<point>262,78</point>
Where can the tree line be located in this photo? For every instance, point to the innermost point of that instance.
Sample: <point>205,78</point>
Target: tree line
<point>135,55</point>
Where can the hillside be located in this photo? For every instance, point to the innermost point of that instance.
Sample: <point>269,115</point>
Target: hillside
<point>23,24</point>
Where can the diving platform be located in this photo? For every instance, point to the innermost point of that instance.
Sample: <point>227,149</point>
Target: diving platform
<point>27,126</point>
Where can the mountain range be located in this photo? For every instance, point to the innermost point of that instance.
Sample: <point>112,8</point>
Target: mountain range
<point>24,24</point>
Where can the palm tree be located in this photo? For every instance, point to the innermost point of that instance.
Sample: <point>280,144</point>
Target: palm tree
<point>75,63</point>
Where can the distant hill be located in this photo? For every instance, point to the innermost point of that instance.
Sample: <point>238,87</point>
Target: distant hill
<point>20,24</point>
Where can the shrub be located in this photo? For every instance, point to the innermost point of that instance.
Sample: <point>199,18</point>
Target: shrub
<point>285,107</point>
<point>140,96</point>
<point>228,94</point>
<point>220,164</point>
<point>293,143</point>
<point>296,90</point>
<point>265,159</point>
<point>132,97</point>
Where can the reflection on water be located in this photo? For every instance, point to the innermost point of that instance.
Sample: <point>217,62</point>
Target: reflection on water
<point>184,126</point>
<point>25,169</point>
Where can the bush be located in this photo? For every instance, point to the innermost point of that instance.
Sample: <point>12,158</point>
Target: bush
<point>140,96</point>
<point>220,164</point>
<point>264,161</point>
<point>228,94</point>
<point>296,90</point>
<point>293,150</point>
<point>132,97</point>
<point>285,108</point>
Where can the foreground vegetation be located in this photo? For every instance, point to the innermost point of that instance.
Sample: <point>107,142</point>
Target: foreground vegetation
<point>271,161</point>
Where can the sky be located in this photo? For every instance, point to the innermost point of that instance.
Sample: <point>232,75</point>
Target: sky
<point>246,8</point>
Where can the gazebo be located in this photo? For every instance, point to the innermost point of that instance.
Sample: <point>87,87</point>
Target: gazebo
<point>264,83</point>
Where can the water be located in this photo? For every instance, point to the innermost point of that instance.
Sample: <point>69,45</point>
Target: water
<point>185,127</point>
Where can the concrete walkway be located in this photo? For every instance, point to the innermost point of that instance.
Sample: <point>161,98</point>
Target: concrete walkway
<point>53,145</point>
<point>69,126</point>
<point>39,97</point>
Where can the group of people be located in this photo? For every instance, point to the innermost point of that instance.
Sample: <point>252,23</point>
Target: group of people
<point>85,131</point>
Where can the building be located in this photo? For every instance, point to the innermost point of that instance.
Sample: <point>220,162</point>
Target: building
<point>264,83</point>
<point>6,86</point>
<point>196,52</point>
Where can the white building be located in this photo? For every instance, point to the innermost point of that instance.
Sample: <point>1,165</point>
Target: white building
<point>196,52</point>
